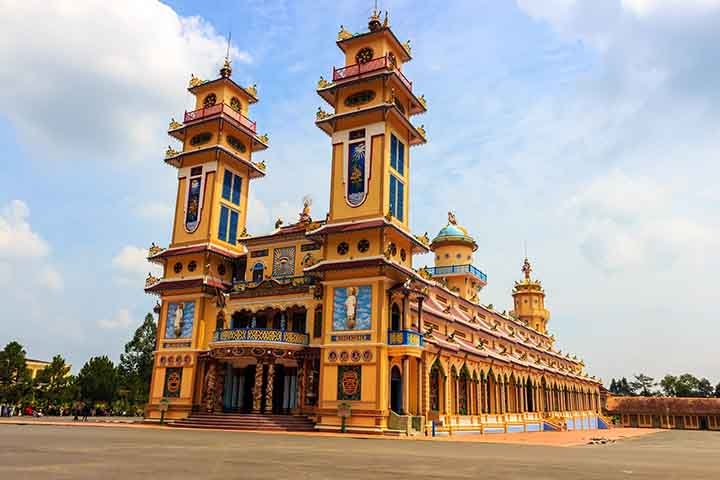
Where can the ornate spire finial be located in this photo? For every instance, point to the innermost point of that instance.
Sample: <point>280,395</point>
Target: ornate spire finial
<point>451,218</point>
<point>374,24</point>
<point>386,22</point>
<point>526,268</point>
<point>226,69</point>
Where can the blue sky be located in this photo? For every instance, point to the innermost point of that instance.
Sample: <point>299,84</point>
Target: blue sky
<point>587,129</point>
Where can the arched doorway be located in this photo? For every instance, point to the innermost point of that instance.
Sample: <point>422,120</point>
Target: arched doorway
<point>396,390</point>
<point>435,388</point>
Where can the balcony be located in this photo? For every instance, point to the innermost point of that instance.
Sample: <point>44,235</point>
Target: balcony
<point>457,269</point>
<point>260,336</point>
<point>406,338</point>
<point>223,109</point>
<point>382,63</point>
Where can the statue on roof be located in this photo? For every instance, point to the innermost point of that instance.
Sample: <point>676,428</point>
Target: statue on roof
<point>526,269</point>
<point>305,214</point>
<point>452,220</point>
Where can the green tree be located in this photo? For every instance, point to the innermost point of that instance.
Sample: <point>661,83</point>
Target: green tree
<point>668,385</point>
<point>705,388</point>
<point>687,386</point>
<point>14,376</point>
<point>624,388</point>
<point>98,380</point>
<point>613,387</point>
<point>642,385</point>
<point>54,381</point>
<point>136,363</point>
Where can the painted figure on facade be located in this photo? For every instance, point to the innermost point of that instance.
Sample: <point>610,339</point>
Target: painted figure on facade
<point>352,307</point>
<point>178,321</point>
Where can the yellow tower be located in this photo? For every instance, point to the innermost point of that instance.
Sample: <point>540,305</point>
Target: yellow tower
<point>453,248</point>
<point>214,168</point>
<point>368,245</point>
<point>529,299</point>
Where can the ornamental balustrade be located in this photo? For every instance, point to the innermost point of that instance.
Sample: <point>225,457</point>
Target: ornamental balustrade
<point>381,63</point>
<point>260,335</point>
<point>405,337</point>
<point>224,109</point>
<point>450,269</point>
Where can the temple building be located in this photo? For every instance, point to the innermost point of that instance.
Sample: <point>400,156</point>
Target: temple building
<point>326,319</point>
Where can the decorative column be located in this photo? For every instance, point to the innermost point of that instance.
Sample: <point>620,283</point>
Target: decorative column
<point>257,388</point>
<point>269,388</point>
<point>420,387</point>
<point>406,386</point>
<point>300,392</point>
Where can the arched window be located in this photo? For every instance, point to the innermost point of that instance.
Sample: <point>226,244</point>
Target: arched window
<point>395,317</point>
<point>220,321</point>
<point>435,388</point>
<point>240,319</point>
<point>258,272</point>
<point>463,391</point>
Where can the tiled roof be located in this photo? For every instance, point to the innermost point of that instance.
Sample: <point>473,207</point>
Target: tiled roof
<point>663,405</point>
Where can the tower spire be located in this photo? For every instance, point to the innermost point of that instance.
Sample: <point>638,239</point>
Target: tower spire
<point>226,70</point>
<point>374,24</point>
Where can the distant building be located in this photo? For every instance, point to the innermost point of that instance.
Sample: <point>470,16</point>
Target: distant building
<point>666,412</point>
<point>35,366</point>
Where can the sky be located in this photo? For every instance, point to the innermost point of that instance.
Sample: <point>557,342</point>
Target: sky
<point>587,130</point>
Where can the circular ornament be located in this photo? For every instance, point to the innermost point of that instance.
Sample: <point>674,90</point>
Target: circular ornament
<point>235,104</point>
<point>364,55</point>
<point>192,266</point>
<point>343,248</point>
<point>363,245</point>
<point>209,100</point>
<point>355,356</point>
<point>344,356</point>
<point>332,356</point>
<point>221,270</point>
<point>367,355</point>
<point>403,254</point>
<point>177,268</point>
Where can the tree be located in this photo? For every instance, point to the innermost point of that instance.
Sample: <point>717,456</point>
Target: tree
<point>705,388</point>
<point>613,387</point>
<point>642,385</point>
<point>14,376</point>
<point>668,385</point>
<point>135,368</point>
<point>54,381</point>
<point>624,388</point>
<point>98,380</point>
<point>687,386</point>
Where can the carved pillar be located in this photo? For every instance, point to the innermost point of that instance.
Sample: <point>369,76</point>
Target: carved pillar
<point>300,394</point>
<point>220,390</point>
<point>420,387</point>
<point>257,388</point>
<point>210,386</point>
<point>269,388</point>
<point>406,386</point>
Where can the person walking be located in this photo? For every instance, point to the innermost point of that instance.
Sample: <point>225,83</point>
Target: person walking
<point>86,410</point>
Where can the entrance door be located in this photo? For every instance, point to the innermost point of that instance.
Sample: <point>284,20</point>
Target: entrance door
<point>396,390</point>
<point>704,423</point>
<point>278,389</point>
<point>247,391</point>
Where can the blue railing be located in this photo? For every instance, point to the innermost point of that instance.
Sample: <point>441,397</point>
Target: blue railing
<point>260,335</point>
<point>405,337</point>
<point>439,271</point>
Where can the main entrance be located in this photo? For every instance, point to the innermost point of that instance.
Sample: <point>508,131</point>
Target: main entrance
<point>260,388</point>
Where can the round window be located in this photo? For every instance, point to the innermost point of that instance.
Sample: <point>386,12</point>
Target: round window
<point>210,100</point>
<point>363,245</point>
<point>177,268</point>
<point>235,104</point>
<point>403,254</point>
<point>192,266</point>
<point>343,248</point>
<point>364,55</point>
<point>221,269</point>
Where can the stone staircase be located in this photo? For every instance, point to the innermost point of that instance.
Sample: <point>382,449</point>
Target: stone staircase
<point>247,421</point>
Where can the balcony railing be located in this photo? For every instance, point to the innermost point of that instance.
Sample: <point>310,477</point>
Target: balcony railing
<point>260,335</point>
<point>284,280</point>
<point>405,337</point>
<point>450,269</point>
<point>225,110</point>
<point>381,63</point>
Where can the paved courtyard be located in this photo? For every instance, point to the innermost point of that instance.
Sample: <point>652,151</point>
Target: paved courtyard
<point>80,452</point>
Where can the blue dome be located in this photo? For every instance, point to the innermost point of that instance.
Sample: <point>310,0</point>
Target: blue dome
<point>451,231</point>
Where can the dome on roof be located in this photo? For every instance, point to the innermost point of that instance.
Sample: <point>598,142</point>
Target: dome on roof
<point>452,232</point>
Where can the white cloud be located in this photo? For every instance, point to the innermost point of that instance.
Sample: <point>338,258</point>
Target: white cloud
<point>119,65</point>
<point>121,319</point>
<point>649,7</point>
<point>17,239</point>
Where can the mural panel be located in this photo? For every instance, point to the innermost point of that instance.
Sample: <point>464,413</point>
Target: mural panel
<point>352,307</point>
<point>357,174</point>
<point>192,207</point>
<point>284,262</point>
<point>173,382</point>
<point>349,382</point>
<point>179,322</point>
